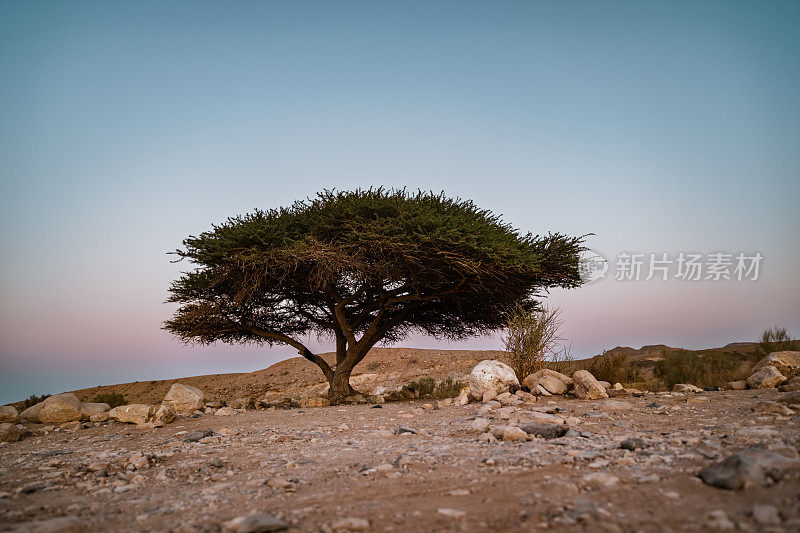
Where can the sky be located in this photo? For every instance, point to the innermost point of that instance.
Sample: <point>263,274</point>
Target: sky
<point>659,127</point>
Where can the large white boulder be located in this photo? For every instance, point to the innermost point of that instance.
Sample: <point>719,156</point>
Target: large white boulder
<point>587,387</point>
<point>490,378</point>
<point>184,399</point>
<point>61,408</point>
<point>787,363</point>
<point>766,377</point>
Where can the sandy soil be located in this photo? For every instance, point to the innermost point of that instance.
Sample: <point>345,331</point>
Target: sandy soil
<point>312,468</point>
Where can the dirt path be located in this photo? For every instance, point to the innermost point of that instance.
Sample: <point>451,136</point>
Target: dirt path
<point>314,468</point>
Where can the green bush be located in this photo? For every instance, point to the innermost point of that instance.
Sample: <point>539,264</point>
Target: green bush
<point>612,368</point>
<point>705,370</point>
<point>113,399</point>
<point>33,400</point>
<point>423,387</point>
<point>448,388</point>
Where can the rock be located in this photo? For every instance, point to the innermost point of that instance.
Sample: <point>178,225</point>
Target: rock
<point>749,467</point>
<point>31,414</point>
<point>254,523</point>
<point>9,432</point>
<point>633,444</point>
<point>513,433</point>
<point>318,401</point>
<point>526,397</point>
<point>463,397</point>
<point>736,385</point>
<point>9,414</point>
<point>532,380</point>
<point>452,513</point>
<point>790,386</point>
<point>61,408</point>
<point>100,417</point>
<point>195,436</point>
<point>346,525</point>
<point>546,431</point>
<point>376,399</point>
<point>606,385</point>
<point>225,411</point>
<point>135,413</point>
<point>487,437</point>
<point>184,399</point>
<point>787,363</point>
<point>356,398</point>
<point>492,377</point>
<point>163,416</point>
<point>718,520</point>
<point>766,515</point>
<point>401,429</point>
<point>479,425</point>
<point>771,408</point>
<point>242,403</point>
<point>488,396</point>
<point>601,479</point>
<point>790,398</point>
<point>618,387</point>
<point>686,388</point>
<point>90,409</point>
<point>587,387</point>
<point>509,399</point>
<point>765,377</point>
<point>553,385</point>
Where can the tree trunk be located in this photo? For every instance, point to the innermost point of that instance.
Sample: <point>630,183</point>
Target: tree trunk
<point>340,385</point>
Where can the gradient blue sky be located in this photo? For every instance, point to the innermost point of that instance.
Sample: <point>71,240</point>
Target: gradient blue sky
<point>126,126</point>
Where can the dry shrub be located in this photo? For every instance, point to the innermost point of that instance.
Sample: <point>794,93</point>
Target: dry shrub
<point>532,338</point>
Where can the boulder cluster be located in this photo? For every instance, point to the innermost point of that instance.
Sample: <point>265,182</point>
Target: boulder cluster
<point>67,411</point>
<point>777,370</point>
<point>493,380</point>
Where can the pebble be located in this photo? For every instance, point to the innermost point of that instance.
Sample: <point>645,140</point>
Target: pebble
<point>452,513</point>
<point>254,523</point>
<point>346,525</point>
<point>766,515</point>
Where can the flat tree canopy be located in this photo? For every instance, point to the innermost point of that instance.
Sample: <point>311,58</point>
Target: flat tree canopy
<point>362,267</point>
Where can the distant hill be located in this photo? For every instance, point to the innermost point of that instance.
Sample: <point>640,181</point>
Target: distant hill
<point>393,367</point>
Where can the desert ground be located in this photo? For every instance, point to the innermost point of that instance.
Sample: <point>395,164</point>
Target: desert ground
<point>414,466</point>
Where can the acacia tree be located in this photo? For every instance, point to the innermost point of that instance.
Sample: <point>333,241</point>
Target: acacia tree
<point>362,267</point>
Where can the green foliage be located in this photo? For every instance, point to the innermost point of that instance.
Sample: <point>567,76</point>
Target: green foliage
<point>113,399</point>
<point>702,370</point>
<point>612,368</point>
<point>33,400</point>
<point>427,387</point>
<point>422,388</point>
<point>448,388</point>
<point>775,340</point>
<point>363,267</point>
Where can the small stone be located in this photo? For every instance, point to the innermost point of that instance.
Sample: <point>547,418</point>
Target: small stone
<point>601,479</point>
<point>546,431</point>
<point>479,425</point>
<point>254,523</point>
<point>736,385</point>
<point>345,525</point>
<point>513,434</point>
<point>452,513</point>
<point>318,401</point>
<point>633,444</point>
<point>686,388</point>
<point>772,408</point>
<point>195,436</point>
<point>401,429</point>
<point>766,515</point>
<point>487,437</point>
<point>225,411</point>
<point>718,520</point>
